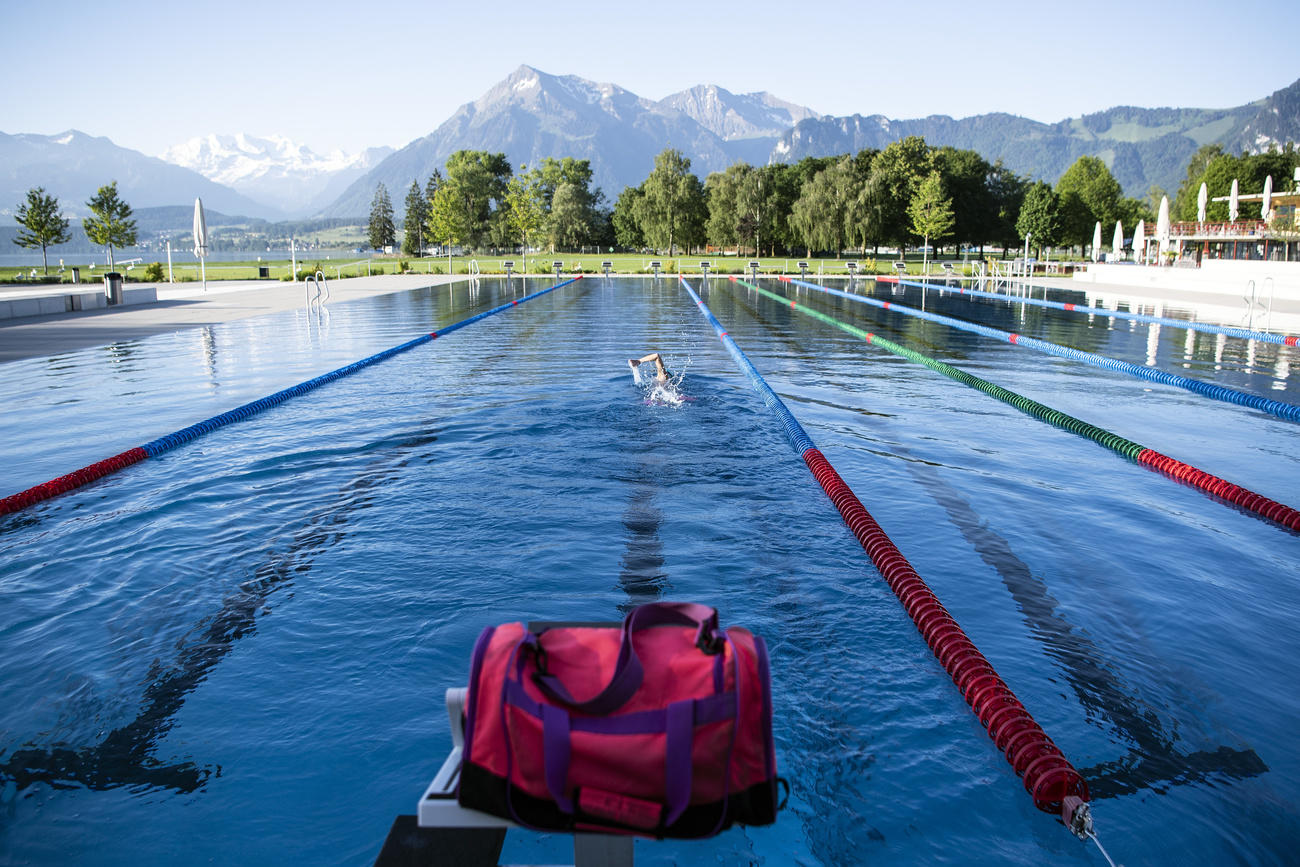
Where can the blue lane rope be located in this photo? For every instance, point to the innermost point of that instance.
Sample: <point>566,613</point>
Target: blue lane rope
<point>1227,330</point>
<point>98,470</point>
<point>172,440</point>
<point>798,437</point>
<point>1288,411</point>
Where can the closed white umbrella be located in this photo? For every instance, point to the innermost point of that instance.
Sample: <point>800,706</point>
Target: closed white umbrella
<point>1232,203</point>
<point>1140,242</point>
<point>1096,242</point>
<point>1202,199</point>
<point>201,240</point>
<point>1163,227</point>
<point>1266,205</point>
<point>1117,242</point>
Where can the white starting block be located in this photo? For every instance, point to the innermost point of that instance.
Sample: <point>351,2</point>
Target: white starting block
<point>438,807</point>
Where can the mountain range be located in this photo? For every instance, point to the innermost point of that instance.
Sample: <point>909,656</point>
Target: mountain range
<point>275,171</point>
<point>72,165</point>
<point>532,114</point>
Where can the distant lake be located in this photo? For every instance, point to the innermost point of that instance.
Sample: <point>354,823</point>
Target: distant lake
<point>100,258</point>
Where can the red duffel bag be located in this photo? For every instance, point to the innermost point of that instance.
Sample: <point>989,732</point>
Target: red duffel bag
<point>660,726</point>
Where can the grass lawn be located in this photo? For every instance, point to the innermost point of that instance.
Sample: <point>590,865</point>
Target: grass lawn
<point>342,264</point>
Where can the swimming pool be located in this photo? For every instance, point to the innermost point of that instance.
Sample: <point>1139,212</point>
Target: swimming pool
<point>236,652</point>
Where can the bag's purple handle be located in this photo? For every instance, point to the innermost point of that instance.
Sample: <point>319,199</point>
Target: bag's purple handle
<point>628,672</point>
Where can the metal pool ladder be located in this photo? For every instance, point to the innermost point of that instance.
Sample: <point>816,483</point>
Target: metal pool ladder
<point>318,282</point>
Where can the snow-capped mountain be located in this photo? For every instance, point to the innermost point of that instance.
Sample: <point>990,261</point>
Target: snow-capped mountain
<point>274,170</point>
<point>533,114</point>
<point>72,165</point>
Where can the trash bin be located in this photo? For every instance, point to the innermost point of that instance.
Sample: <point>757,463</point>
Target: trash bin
<point>113,287</point>
<point>263,272</point>
<point>76,275</point>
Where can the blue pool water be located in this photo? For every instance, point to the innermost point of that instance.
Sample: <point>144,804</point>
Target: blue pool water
<point>236,653</point>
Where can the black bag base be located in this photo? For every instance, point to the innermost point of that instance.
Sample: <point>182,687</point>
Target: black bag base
<point>483,790</point>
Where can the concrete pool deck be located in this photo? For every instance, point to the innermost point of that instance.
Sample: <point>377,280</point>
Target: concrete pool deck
<point>178,307</point>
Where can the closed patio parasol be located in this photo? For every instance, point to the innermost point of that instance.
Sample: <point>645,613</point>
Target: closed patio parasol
<point>1117,242</point>
<point>1202,199</point>
<point>1266,205</point>
<point>1140,242</point>
<point>1096,242</point>
<point>1163,227</point>
<point>1232,203</point>
<point>201,240</point>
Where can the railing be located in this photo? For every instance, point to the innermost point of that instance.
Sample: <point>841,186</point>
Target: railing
<point>1237,229</point>
<point>321,286</point>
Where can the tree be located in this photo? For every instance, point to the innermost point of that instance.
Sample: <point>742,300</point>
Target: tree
<point>417,212</point>
<point>967,182</point>
<point>627,218</point>
<point>525,208</point>
<point>899,169</point>
<point>446,218</point>
<point>381,233</point>
<point>476,182</point>
<point>1007,190</point>
<point>673,207</point>
<point>720,196</point>
<point>40,224</point>
<point>571,216</point>
<point>110,224</point>
<point>1040,216</point>
<point>931,213</point>
<point>1087,192</point>
<point>781,185</point>
<point>818,216</point>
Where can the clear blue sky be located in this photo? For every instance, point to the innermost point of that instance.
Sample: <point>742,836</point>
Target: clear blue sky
<point>330,74</point>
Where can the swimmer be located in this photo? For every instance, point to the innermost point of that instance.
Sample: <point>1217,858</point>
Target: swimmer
<point>661,372</point>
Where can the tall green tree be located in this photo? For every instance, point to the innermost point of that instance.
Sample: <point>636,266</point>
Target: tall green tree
<point>1086,193</point>
<point>819,216</point>
<point>109,224</point>
<point>722,191</point>
<point>1040,216</point>
<point>1008,192</point>
<point>899,169</point>
<point>525,208</point>
<point>627,218</point>
<point>673,209</point>
<point>476,181</point>
<point>417,212</point>
<point>381,232</point>
<point>446,221</point>
<point>931,211</point>
<point>40,224</point>
<point>781,185</point>
<point>571,217</point>
<point>966,180</point>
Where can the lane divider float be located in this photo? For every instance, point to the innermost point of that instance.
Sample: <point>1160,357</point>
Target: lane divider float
<point>1287,411</point>
<point>98,470</point>
<point>1053,783</point>
<point>1244,498</point>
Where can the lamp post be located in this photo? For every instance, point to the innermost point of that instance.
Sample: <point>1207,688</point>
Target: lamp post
<point>1028,235</point>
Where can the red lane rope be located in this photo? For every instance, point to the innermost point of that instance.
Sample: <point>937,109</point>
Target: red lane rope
<point>76,479</point>
<point>1246,499</point>
<point>1048,776</point>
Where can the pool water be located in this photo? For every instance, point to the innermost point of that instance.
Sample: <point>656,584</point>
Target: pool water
<point>236,653</point>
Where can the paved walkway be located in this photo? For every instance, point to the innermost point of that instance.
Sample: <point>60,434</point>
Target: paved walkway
<point>1219,308</point>
<point>183,306</point>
